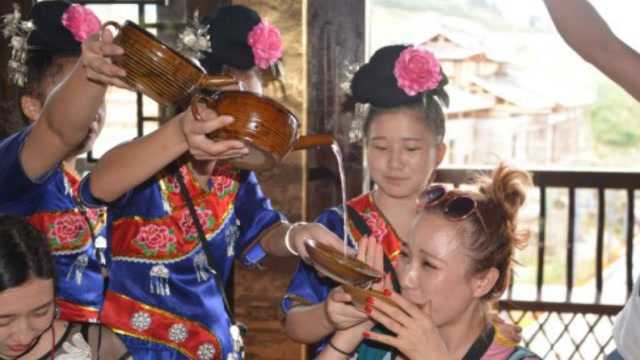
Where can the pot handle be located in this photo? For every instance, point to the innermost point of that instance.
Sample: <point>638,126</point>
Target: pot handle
<point>198,98</point>
<point>110,23</point>
<point>309,141</point>
<point>214,82</point>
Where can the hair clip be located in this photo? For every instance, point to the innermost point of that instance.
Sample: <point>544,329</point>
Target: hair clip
<point>194,41</point>
<point>17,31</point>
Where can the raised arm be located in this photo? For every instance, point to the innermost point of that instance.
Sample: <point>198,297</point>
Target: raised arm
<point>68,112</point>
<point>130,164</point>
<point>588,34</point>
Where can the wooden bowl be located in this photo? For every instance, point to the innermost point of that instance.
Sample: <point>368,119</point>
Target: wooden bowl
<point>159,71</point>
<point>359,296</point>
<point>269,129</point>
<point>342,269</point>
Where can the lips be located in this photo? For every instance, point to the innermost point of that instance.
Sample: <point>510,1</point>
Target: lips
<point>394,179</point>
<point>18,349</point>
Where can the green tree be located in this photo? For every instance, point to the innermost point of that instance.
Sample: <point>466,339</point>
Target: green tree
<point>615,119</point>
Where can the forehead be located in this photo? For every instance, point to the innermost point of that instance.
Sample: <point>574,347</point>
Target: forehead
<point>436,235</point>
<point>26,297</point>
<point>398,123</point>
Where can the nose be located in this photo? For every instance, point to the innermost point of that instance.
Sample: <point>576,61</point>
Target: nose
<point>408,276</point>
<point>24,332</point>
<point>395,159</point>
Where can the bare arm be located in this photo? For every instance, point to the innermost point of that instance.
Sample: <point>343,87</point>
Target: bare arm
<point>63,124</point>
<point>308,324</point>
<point>130,164</point>
<point>588,34</point>
<point>273,241</point>
<point>71,108</point>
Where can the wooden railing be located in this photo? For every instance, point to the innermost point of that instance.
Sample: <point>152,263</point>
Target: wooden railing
<point>565,314</point>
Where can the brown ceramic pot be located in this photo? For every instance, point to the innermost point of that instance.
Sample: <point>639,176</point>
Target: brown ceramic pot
<point>269,129</point>
<point>159,71</point>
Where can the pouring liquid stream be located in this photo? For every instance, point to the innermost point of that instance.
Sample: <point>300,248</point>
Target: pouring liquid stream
<point>335,147</point>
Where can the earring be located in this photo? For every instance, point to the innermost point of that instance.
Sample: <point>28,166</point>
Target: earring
<point>56,312</point>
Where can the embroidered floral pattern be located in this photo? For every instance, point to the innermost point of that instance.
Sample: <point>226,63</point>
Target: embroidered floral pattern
<point>376,224</point>
<point>156,240</point>
<point>67,231</point>
<point>224,181</point>
<point>205,217</point>
<point>172,184</point>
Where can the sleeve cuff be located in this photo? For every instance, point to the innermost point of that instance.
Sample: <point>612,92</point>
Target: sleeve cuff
<point>253,254</point>
<point>87,198</point>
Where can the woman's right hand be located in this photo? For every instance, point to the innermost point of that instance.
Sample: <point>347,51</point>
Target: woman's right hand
<point>202,147</point>
<point>97,51</point>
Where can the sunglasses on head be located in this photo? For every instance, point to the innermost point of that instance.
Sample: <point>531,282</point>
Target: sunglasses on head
<point>455,206</point>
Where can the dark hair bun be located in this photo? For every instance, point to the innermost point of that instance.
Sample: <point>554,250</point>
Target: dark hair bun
<point>375,84</point>
<point>50,35</point>
<point>228,30</point>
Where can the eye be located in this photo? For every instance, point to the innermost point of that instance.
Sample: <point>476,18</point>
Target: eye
<point>413,148</point>
<point>42,312</point>
<point>427,265</point>
<point>380,147</point>
<point>6,322</point>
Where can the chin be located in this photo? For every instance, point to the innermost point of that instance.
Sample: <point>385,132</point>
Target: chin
<point>397,191</point>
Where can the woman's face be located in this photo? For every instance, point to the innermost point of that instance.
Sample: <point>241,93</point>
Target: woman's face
<point>401,152</point>
<point>26,312</point>
<point>433,267</point>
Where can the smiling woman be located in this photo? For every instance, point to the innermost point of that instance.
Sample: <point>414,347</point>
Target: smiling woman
<point>28,323</point>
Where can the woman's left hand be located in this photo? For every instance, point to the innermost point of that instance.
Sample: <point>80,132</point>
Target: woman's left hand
<point>415,333</point>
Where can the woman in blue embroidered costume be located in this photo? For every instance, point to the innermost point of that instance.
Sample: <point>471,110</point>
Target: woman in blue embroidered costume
<point>41,141</point>
<point>166,292</point>
<point>456,261</point>
<point>29,328</point>
<point>402,88</point>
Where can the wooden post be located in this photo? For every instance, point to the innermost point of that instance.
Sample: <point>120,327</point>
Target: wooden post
<point>336,39</point>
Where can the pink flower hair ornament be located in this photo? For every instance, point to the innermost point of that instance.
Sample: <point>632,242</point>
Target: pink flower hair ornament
<point>80,21</point>
<point>266,44</point>
<point>418,71</point>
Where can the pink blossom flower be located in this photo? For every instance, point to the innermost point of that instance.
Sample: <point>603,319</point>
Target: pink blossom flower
<point>417,70</point>
<point>187,225</point>
<point>67,228</point>
<point>266,44</point>
<point>155,237</point>
<point>81,21</point>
